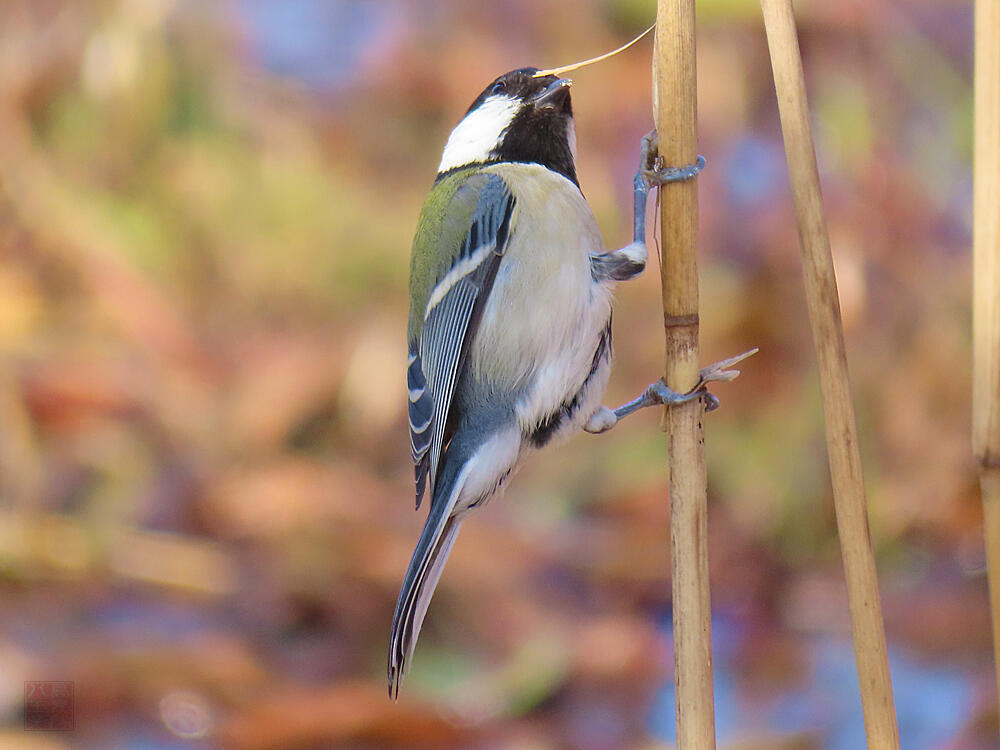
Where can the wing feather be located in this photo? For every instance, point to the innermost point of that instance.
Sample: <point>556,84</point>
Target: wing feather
<point>455,304</point>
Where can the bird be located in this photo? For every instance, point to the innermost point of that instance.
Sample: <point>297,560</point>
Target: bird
<point>509,330</point>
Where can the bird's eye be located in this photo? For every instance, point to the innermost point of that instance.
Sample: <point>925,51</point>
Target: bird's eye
<point>499,87</point>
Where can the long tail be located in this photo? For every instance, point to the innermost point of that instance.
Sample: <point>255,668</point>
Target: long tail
<point>422,576</point>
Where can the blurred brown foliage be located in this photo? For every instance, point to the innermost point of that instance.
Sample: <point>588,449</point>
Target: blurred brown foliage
<point>205,217</point>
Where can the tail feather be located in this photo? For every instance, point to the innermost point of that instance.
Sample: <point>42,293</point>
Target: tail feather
<point>421,578</point>
<point>438,558</point>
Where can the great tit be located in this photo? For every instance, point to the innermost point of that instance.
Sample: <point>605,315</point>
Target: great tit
<point>510,315</point>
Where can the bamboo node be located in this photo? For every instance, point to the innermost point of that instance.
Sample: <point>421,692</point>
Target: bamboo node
<point>680,321</point>
<point>989,460</point>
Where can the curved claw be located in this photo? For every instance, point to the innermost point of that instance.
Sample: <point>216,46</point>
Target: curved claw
<point>711,401</point>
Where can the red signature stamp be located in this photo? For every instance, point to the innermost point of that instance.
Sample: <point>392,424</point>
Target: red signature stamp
<point>49,705</point>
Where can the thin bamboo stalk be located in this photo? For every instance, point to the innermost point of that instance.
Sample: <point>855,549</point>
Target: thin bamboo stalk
<point>828,335</point>
<point>989,482</point>
<point>675,113</point>
<point>986,291</point>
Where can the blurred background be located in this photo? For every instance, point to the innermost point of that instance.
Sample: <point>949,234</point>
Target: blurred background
<point>205,485</point>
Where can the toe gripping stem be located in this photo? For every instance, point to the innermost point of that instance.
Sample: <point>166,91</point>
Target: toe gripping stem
<point>660,393</point>
<point>652,172</point>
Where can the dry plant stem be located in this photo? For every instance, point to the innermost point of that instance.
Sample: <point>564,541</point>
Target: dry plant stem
<point>675,112</point>
<point>989,483</point>
<point>828,335</point>
<point>986,291</point>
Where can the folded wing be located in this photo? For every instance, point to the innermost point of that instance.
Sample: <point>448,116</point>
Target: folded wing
<point>451,316</point>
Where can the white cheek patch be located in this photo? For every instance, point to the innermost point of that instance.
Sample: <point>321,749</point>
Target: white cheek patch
<point>478,134</point>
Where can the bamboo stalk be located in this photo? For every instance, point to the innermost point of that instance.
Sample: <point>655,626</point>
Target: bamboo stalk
<point>675,113</point>
<point>986,292</point>
<point>828,335</point>
<point>989,482</point>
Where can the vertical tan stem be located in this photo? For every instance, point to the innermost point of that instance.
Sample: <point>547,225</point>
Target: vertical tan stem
<point>828,335</point>
<point>989,482</point>
<point>986,291</point>
<point>675,112</point>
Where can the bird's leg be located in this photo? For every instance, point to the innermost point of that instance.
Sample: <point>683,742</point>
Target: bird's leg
<point>629,261</point>
<point>659,393</point>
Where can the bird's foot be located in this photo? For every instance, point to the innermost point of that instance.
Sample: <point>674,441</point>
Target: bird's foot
<point>660,393</point>
<point>653,171</point>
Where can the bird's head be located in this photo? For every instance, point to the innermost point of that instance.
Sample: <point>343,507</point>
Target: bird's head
<point>517,118</point>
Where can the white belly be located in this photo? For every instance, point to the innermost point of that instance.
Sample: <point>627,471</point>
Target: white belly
<point>546,314</point>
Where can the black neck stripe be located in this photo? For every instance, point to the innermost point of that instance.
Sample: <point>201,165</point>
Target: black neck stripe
<point>570,175</point>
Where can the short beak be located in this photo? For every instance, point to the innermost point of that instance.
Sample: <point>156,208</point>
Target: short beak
<point>553,94</point>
